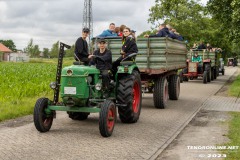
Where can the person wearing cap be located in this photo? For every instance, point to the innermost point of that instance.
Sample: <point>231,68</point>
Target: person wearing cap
<point>109,32</point>
<point>104,67</point>
<point>81,48</point>
<point>129,47</point>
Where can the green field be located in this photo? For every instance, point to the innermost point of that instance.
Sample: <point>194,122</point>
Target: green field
<point>21,84</point>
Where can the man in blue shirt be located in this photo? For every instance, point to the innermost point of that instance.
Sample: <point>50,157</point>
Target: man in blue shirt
<point>109,32</point>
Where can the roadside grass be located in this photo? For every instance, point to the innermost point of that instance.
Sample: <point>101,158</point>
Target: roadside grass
<point>234,89</point>
<point>234,136</point>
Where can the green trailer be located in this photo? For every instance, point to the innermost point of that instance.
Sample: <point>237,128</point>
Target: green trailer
<point>158,61</point>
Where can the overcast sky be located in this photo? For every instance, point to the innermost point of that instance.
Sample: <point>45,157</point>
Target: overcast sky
<point>49,21</point>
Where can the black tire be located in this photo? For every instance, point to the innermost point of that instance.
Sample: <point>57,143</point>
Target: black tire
<point>174,87</point>
<point>181,77</point>
<point>209,73</point>
<point>185,78</point>
<point>213,74</point>
<point>129,98</point>
<point>150,89</point>
<point>160,93</point>
<point>78,115</point>
<point>42,121</point>
<point>205,77</point>
<point>107,118</point>
<point>223,71</point>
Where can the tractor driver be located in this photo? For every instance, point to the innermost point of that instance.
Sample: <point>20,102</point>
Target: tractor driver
<point>197,58</point>
<point>104,67</point>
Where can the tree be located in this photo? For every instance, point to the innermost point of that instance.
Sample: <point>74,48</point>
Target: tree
<point>228,13</point>
<point>46,52</point>
<point>31,49</point>
<point>55,50</point>
<point>10,44</point>
<point>70,52</point>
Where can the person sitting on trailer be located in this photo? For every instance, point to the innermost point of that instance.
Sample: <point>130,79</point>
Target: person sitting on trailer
<point>162,32</point>
<point>106,66</point>
<point>109,32</point>
<point>197,58</point>
<point>129,47</point>
<point>81,48</point>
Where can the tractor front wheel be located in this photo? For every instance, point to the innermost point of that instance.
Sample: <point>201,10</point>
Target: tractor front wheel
<point>107,118</point>
<point>42,120</point>
<point>129,98</point>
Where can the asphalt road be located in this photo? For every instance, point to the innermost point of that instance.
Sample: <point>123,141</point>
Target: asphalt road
<point>76,140</point>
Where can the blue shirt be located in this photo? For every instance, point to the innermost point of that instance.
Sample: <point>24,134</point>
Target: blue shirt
<point>108,33</point>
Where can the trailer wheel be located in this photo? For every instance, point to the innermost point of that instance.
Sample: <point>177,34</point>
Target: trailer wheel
<point>129,98</point>
<point>205,77</point>
<point>42,120</point>
<point>160,93</point>
<point>223,71</point>
<point>107,118</point>
<point>213,74</point>
<point>78,115</point>
<point>174,87</point>
<point>181,77</point>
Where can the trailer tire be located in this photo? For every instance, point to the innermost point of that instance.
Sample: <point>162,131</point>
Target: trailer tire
<point>160,93</point>
<point>107,118</point>
<point>213,74</point>
<point>42,121</point>
<point>78,115</point>
<point>223,71</point>
<point>174,87</point>
<point>181,76</point>
<point>129,98</point>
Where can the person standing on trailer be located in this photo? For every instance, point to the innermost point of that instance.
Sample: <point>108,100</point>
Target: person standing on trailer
<point>81,48</point>
<point>129,47</point>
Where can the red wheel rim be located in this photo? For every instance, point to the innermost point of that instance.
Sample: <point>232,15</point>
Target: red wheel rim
<point>111,118</point>
<point>47,121</point>
<point>136,97</point>
<point>166,91</point>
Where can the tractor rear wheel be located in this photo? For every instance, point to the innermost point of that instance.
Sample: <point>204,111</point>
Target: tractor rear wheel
<point>160,93</point>
<point>129,98</point>
<point>205,77</point>
<point>107,118</point>
<point>42,120</point>
<point>78,115</point>
<point>174,87</point>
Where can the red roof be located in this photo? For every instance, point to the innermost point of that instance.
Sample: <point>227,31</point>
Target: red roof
<point>4,49</point>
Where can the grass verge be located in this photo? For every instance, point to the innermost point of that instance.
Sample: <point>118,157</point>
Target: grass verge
<point>234,136</point>
<point>234,89</point>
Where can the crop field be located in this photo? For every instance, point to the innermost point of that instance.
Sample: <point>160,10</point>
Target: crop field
<point>21,84</point>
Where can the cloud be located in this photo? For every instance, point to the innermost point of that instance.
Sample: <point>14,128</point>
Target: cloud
<point>49,21</point>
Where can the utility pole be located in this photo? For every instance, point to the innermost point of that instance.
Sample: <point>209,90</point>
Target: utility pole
<point>88,18</point>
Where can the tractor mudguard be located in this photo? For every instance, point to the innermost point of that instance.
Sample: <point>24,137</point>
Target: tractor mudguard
<point>207,61</point>
<point>127,68</point>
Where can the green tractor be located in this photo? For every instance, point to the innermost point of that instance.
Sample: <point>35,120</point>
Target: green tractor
<point>81,91</point>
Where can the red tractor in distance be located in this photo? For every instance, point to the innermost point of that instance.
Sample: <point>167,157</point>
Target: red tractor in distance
<point>200,68</point>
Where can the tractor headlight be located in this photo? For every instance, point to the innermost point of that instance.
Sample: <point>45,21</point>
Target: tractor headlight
<point>53,85</point>
<point>98,86</point>
<point>69,72</point>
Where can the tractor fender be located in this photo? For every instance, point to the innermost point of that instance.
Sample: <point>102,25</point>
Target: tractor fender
<point>207,61</point>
